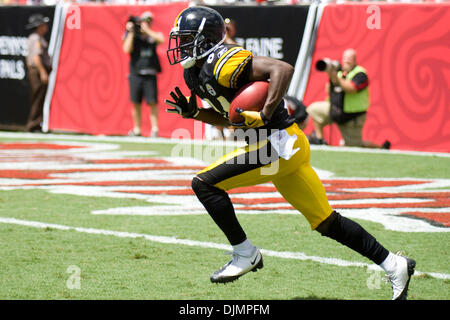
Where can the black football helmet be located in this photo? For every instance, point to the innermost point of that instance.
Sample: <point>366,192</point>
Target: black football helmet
<point>196,33</point>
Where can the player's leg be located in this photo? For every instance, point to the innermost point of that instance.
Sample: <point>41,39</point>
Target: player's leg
<point>306,193</point>
<point>245,256</point>
<point>304,190</point>
<point>252,165</point>
<point>300,185</point>
<point>242,167</point>
<point>349,233</point>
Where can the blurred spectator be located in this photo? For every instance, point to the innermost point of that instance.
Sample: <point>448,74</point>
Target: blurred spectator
<point>230,26</point>
<point>348,102</point>
<point>39,66</point>
<point>140,41</point>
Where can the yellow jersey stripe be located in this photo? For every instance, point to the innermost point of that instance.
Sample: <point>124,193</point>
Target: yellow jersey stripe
<point>231,68</point>
<point>238,71</point>
<point>223,59</point>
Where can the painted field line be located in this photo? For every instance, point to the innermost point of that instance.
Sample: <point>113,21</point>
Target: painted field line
<point>102,138</point>
<point>202,244</point>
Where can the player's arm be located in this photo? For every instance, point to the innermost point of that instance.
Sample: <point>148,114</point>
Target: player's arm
<point>279,73</point>
<point>187,108</point>
<point>212,117</point>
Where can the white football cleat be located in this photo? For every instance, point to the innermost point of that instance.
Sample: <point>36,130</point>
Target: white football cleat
<point>238,266</point>
<point>400,279</point>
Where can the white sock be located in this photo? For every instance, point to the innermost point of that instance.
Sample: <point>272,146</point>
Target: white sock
<point>390,263</point>
<point>244,248</point>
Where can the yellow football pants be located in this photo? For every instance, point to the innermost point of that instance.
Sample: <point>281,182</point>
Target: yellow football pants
<point>295,179</point>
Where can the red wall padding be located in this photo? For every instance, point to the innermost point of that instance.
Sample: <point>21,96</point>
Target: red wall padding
<point>408,62</point>
<point>91,93</point>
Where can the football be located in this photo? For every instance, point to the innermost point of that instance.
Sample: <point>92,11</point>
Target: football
<point>250,97</point>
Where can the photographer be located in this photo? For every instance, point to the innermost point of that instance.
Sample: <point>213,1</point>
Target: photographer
<point>140,41</point>
<point>347,104</point>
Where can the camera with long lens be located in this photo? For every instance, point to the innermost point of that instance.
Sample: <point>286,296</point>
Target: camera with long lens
<point>327,65</point>
<point>136,23</point>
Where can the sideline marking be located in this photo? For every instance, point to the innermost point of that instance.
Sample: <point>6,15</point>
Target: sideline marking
<point>52,136</point>
<point>201,244</point>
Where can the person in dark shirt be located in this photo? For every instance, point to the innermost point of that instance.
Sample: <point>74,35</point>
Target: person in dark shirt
<point>140,41</point>
<point>348,91</point>
<point>39,67</point>
<point>277,150</point>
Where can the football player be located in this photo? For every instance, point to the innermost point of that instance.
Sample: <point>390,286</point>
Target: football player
<point>214,71</point>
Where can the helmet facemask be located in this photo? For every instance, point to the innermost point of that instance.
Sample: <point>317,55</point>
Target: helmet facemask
<point>188,46</point>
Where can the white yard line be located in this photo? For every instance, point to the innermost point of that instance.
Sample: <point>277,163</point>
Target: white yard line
<point>50,136</point>
<point>193,243</point>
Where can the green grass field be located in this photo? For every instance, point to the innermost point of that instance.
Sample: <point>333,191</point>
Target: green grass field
<point>113,256</point>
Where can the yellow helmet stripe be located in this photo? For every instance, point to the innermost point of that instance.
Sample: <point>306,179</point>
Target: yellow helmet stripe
<point>178,17</point>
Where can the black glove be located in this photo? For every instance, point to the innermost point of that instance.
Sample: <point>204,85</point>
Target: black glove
<point>185,108</point>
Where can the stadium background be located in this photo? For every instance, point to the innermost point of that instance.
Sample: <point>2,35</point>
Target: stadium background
<point>120,209</point>
<point>406,56</point>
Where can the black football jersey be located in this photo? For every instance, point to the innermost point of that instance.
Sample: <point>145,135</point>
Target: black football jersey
<point>224,72</point>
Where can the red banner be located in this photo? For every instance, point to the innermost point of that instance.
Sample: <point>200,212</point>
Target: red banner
<point>405,48</point>
<point>91,94</point>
